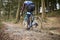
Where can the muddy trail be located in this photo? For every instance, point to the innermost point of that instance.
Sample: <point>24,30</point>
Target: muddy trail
<point>13,32</point>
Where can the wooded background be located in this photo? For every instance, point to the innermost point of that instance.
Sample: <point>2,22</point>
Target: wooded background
<point>10,9</point>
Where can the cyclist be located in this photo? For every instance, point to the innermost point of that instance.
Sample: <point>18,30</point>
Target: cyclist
<point>30,6</point>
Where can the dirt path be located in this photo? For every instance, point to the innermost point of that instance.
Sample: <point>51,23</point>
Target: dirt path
<point>13,32</point>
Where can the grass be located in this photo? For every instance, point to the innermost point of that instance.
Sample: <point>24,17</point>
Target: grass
<point>54,28</point>
<point>0,24</point>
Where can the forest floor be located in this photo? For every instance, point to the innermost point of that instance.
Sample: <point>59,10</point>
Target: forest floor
<point>11,31</point>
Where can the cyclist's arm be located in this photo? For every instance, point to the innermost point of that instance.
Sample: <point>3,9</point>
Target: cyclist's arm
<point>22,9</point>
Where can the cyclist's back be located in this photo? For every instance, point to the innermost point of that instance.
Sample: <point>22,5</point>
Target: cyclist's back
<point>29,5</point>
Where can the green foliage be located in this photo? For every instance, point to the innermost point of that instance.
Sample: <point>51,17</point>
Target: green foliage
<point>55,13</point>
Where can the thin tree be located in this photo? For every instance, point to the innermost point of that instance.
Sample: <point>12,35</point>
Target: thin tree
<point>18,14</point>
<point>43,12</point>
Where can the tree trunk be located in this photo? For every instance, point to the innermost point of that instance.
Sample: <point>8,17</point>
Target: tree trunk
<point>18,14</point>
<point>35,8</point>
<point>0,13</point>
<point>10,12</point>
<point>38,8</point>
<point>20,3</point>
<point>43,12</point>
<point>47,5</point>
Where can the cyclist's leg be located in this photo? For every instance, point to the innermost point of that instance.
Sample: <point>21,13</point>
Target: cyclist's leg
<point>31,20</point>
<point>28,21</point>
<point>25,21</point>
